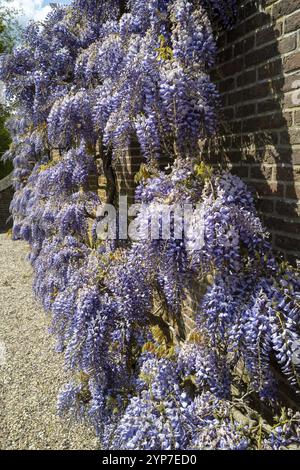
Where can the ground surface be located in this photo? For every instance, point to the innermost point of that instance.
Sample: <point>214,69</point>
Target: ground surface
<point>31,372</point>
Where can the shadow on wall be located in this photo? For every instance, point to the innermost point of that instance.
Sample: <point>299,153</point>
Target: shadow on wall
<point>258,73</point>
<point>6,195</point>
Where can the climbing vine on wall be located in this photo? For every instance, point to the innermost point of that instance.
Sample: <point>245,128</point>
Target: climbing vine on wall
<point>92,76</point>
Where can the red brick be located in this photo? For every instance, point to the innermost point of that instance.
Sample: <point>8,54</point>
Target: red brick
<point>227,113</point>
<point>292,22</point>
<point>246,78</point>
<point>241,171</point>
<point>265,205</point>
<point>287,243</point>
<point>247,10</point>
<point>287,209</point>
<point>294,136</point>
<point>236,33</point>
<point>221,40</point>
<point>267,189</point>
<point>235,156</point>
<point>269,70</point>
<point>270,121</point>
<point>291,173</point>
<point>257,21</point>
<point>232,67</point>
<point>279,224</point>
<point>285,7</point>
<point>292,99</point>
<point>225,55</point>
<point>260,90</point>
<point>246,110</point>
<point>261,55</point>
<point>226,85</point>
<point>261,172</point>
<point>292,62</point>
<point>244,46</point>
<point>292,191</point>
<point>267,105</point>
<point>287,44</point>
<point>268,34</point>
<point>269,2</point>
<point>236,97</point>
<point>291,82</point>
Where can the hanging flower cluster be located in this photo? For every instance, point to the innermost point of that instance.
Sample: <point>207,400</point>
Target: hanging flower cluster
<point>95,74</point>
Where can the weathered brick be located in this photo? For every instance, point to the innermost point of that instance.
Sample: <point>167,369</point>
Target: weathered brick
<point>269,121</point>
<point>244,46</point>
<point>235,97</point>
<point>266,78</point>
<point>246,10</point>
<point>261,55</point>
<point>236,33</point>
<point>295,156</point>
<point>245,110</point>
<point>257,21</point>
<point>235,126</point>
<point>292,99</point>
<point>268,34</point>
<point>227,113</point>
<point>292,82</point>
<point>292,23</point>
<point>285,138</point>
<point>287,44</point>
<point>241,171</point>
<point>288,209</point>
<point>226,85</point>
<point>292,191</point>
<point>268,189</point>
<point>225,55</point>
<point>269,2</point>
<point>279,224</point>
<point>292,62</point>
<point>294,136</point>
<point>261,172</point>
<point>236,142</point>
<point>231,68</point>
<point>269,70</point>
<point>246,78</point>
<point>288,173</point>
<point>235,156</point>
<point>5,200</point>
<point>265,205</point>
<point>287,243</point>
<point>267,105</point>
<point>260,90</point>
<point>221,39</point>
<point>285,7</point>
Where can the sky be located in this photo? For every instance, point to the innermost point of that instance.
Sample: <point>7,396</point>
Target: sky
<point>33,9</point>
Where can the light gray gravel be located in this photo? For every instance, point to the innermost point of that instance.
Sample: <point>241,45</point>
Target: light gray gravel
<point>31,372</point>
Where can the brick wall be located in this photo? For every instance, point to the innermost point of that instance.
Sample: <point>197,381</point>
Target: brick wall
<point>258,74</point>
<point>5,199</point>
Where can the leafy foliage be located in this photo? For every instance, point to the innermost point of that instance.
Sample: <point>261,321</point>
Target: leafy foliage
<point>96,73</point>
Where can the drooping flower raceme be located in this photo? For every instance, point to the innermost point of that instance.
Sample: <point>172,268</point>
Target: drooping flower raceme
<point>93,76</point>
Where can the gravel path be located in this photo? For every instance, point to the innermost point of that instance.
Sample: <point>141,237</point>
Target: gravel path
<point>31,372</point>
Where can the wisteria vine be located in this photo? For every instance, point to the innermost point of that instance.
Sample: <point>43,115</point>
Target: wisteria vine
<point>84,83</point>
